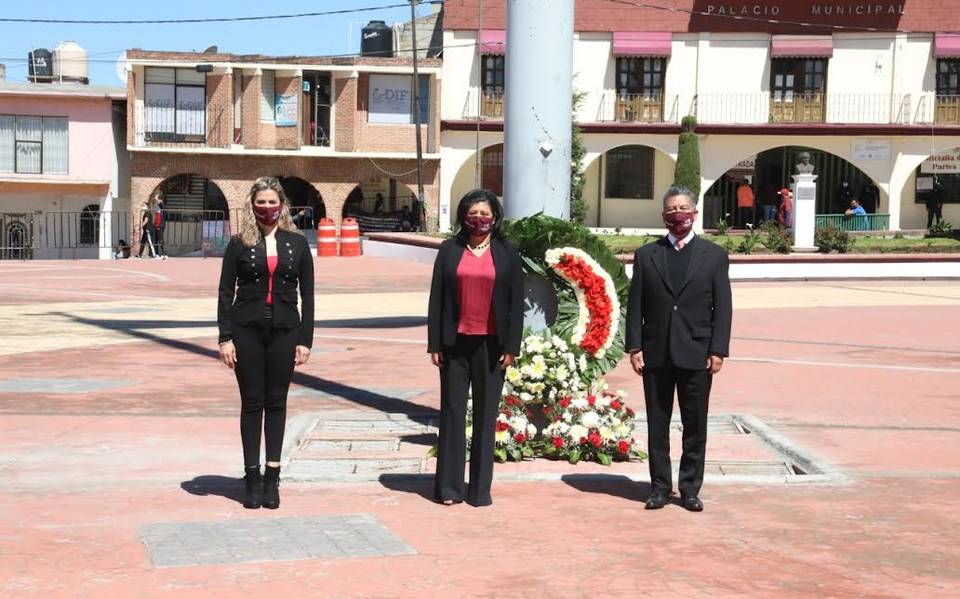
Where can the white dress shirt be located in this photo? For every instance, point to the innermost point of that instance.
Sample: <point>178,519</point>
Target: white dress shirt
<point>673,239</point>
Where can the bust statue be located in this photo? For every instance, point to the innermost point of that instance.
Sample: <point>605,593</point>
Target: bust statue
<point>804,167</point>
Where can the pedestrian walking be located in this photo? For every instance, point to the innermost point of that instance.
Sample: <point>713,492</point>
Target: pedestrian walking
<point>159,223</point>
<point>262,336</point>
<point>146,231</point>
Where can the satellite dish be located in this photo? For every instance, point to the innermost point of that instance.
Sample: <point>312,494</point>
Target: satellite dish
<point>210,50</point>
<point>122,67</point>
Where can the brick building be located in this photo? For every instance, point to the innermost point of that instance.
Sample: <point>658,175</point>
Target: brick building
<point>339,132</point>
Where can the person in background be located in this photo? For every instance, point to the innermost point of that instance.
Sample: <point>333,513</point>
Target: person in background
<point>474,328</point>
<point>785,210</point>
<point>768,202</point>
<point>844,194</point>
<point>745,202</point>
<point>934,203</point>
<point>378,204</point>
<point>857,214</point>
<point>160,223</point>
<point>123,250</point>
<point>146,231</point>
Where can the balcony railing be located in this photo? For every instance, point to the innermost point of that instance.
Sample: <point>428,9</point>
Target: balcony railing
<point>639,108</point>
<point>757,108</point>
<point>937,109</point>
<point>485,104</point>
<point>166,127</point>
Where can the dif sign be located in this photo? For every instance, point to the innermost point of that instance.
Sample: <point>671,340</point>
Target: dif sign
<point>391,99</point>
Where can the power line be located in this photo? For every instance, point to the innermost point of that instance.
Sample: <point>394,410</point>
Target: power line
<point>209,20</point>
<point>704,13</point>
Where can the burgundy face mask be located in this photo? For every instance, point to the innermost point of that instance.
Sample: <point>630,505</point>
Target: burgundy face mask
<point>478,225</point>
<point>267,215</point>
<point>678,223</point>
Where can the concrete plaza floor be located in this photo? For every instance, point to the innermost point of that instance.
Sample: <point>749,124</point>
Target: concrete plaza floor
<point>117,421</point>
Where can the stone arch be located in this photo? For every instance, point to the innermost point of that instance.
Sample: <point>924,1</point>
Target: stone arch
<point>623,197</point>
<point>306,201</point>
<point>904,184</point>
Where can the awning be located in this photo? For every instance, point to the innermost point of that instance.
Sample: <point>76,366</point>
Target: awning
<point>493,41</point>
<point>641,43</point>
<point>946,45</point>
<point>802,46</point>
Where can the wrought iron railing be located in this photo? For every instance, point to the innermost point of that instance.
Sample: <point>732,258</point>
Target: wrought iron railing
<point>763,107</point>
<point>861,222</point>
<point>483,104</point>
<point>155,127</point>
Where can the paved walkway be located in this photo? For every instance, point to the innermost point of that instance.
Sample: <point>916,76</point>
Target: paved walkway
<point>119,427</point>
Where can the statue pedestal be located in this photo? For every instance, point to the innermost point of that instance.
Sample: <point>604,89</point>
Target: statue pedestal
<point>804,212</point>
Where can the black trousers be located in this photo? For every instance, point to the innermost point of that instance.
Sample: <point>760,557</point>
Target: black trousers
<point>146,241</point>
<point>472,364</point>
<point>693,393</point>
<point>158,242</point>
<point>744,216</point>
<point>935,212</point>
<point>264,366</point>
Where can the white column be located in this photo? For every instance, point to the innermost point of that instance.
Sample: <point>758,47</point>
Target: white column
<point>804,212</point>
<point>538,107</point>
<point>105,240</point>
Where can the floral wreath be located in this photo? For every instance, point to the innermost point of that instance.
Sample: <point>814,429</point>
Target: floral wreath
<point>598,305</point>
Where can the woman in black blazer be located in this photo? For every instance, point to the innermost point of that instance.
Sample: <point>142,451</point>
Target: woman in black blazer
<point>262,336</point>
<point>474,328</point>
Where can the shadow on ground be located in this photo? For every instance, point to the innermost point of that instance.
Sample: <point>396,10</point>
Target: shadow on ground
<point>609,484</point>
<point>216,485</point>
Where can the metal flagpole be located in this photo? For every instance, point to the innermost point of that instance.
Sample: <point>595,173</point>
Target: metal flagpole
<point>421,205</point>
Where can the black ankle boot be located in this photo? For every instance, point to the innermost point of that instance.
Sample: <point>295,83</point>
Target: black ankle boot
<point>271,487</point>
<point>252,483</point>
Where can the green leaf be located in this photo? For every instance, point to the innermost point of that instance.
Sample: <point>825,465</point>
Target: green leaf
<point>574,456</point>
<point>432,452</point>
<point>500,454</point>
<point>604,459</point>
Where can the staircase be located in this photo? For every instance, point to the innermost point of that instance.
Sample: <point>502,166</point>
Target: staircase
<point>358,446</point>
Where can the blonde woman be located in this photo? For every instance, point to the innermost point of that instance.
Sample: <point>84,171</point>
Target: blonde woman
<point>262,335</point>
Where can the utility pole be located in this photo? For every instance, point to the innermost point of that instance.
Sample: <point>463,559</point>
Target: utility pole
<point>538,107</point>
<point>420,207</point>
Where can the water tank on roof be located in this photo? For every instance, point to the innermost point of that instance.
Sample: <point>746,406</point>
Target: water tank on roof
<point>376,40</point>
<point>40,65</point>
<point>70,63</point>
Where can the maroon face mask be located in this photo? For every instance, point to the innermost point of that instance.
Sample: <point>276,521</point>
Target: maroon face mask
<point>267,215</point>
<point>478,225</point>
<point>678,223</point>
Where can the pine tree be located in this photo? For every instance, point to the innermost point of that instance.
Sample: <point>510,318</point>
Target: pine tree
<point>687,172</point>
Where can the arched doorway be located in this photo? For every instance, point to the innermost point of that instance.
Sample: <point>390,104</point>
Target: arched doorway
<point>16,240</point>
<point>90,225</point>
<point>490,172</point>
<point>838,181</point>
<point>196,215</point>
<point>939,171</point>
<point>382,205</point>
<point>306,204</point>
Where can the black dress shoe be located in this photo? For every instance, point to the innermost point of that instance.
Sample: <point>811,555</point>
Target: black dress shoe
<point>691,503</point>
<point>656,500</point>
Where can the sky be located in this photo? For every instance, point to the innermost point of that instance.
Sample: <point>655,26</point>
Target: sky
<point>322,35</point>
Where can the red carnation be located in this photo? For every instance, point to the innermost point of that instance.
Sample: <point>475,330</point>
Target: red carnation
<point>595,439</point>
<point>519,438</point>
<point>557,442</point>
<point>623,446</point>
<point>502,426</point>
<point>592,400</point>
<point>565,402</point>
<point>616,404</point>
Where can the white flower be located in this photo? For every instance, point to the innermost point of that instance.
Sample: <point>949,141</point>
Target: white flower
<point>534,344</point>
<point>603,401</point>
<point>469,432</point>
<point>561,373</point>
<point>502,436</point>
<point>590,419</point>
<point>526,397</point>
<point>580,403</point>
<point>605,433</point>
<point>531,430</point>
<point>615,421</point>
<point>518,423</point>
<point>502,417</point>
<point>513,374</point>
<point>578,432</point>
<point>538,367</point>
<point>567,417</point>
<point>537,388</point>
<point>583,363</point>
<point>563,427</point>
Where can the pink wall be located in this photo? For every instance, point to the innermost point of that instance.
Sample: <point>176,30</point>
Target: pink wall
<point>92,154</point>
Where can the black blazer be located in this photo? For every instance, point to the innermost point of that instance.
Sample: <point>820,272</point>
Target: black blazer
<point>444,313</point>
<point>684,324</point>
<point>243,286</point>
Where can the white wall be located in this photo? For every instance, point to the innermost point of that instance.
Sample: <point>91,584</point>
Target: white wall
<point>593,72</point>
<point>626,212</point>
<point>460,74</point>
<point>681,81</point>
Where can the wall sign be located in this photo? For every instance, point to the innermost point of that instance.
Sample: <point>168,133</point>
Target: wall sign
<point>391,99</point>
<point>285,110</point>
<point>944,162</point>
<point>870,149</point>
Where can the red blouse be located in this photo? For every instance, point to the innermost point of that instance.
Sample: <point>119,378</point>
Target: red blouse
<point>475,278</point>
<point>271,267</point>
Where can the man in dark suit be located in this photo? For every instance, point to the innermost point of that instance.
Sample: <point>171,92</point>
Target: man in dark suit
<point>678,333</point>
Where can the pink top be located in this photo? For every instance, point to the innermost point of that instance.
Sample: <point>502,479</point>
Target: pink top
<point>271,267</point>
<point>475,278</point>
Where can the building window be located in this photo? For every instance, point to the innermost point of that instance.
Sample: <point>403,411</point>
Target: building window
<point>491,169</point>
<point>640,88</point>
<point>797,87</point>
<point>630,172</point>
<point>175,102</point>
<point>268,87</point>
<point>948,91</point>
<point>90,225</point>
<point>491,85</point>
<point>33,144</point>
<point>390,99</point>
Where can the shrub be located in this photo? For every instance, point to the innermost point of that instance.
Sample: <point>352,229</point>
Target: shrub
<point>722,225</point>
<point>777,238</point>
<point>750,241</point>
<point>941,229</point>
<point>831,238</point>
<point>687,171</point>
